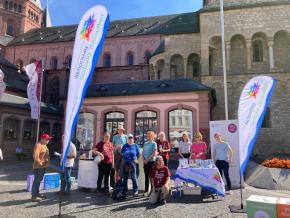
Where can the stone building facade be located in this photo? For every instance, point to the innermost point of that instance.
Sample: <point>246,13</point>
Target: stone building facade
<point>257,38</point>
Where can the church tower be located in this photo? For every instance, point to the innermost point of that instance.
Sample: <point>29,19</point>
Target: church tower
<point>19,16</point>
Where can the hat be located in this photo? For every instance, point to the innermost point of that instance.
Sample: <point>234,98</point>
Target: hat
<point>45,136</point>
<point>130,135</point>
<point>121,127</point>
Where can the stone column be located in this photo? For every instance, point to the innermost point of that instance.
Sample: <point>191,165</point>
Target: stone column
<point>271,54</point>
<point>228,56</point>
<point>249,54</point>
<point>204,58</point>
<point>166,68</point>
<point>185,68</point>
<point>154,70</point>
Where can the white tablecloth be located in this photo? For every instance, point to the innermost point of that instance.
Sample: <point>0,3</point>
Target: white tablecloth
<point>208,178</point>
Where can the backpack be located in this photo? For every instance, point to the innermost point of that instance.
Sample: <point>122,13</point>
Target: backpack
<point>119,192</point>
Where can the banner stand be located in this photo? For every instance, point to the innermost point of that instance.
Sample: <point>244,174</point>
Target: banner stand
<point>239,208</point>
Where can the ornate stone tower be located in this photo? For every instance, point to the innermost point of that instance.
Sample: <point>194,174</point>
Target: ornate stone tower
<point>19,16</point>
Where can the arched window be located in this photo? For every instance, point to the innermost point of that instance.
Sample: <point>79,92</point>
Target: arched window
<point>159,68</point>
<point>11,126</point>
<point>267,119</point>
<point>181,122</point>
<point>107,60</point>
<point>15,7</point>
<point>29,13</point>
<point>67,62</point>
<point>29,130</point>
<point>37,19</point>
<point>19,9</point>
<point>53,63</point>
<point>130,59</point>
<point>176,67</point>
<point>144,121</point>
<point>258,51</point>
<point>6,5</point>
<point>85,131</point>
<point>112,121</point>
<point>193,66</point>
<point>10,6</point>
<point>32,60</point>
<point>53,91</point>
<point>9,30</point>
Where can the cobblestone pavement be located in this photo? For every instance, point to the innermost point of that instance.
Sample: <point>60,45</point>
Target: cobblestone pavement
<point>15,201</point>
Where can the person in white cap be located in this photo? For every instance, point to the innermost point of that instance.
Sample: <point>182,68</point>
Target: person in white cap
<point>129,164</point>
<point>118,141</point>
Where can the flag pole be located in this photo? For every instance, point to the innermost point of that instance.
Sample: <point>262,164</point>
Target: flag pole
<point>39,103</point>
<point>224,58</point>
<point>233,208</point>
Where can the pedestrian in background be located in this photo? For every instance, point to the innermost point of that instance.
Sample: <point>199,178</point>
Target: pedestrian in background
<point>149,152</point>
<point>69,163</point>
<point>163,146</point>
<point>40,164</point>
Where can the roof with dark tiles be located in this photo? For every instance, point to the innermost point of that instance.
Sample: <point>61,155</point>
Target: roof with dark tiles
<point>23,103</point>
<point>12,78</point>
<point>145,87</point>
<point>167,24</point>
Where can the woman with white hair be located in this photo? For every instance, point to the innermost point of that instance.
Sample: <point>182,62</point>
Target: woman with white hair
<point>163,147</point>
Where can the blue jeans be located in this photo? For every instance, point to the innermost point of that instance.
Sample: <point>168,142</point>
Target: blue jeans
<point>38,177</point>
<point>66,180</point>
<point>133,174</point>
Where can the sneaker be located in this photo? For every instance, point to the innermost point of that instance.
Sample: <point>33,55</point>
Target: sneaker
<point>146,194</point>
<point>230,192</point>
<point>36,199</point>
<point>163,201</point>
<point>41,196</point>
<point>135,194</point>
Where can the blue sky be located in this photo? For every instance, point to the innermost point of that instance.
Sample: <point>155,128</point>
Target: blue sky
<point>65,12</point>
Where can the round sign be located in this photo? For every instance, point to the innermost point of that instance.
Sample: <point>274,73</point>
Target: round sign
<point>232,128</point>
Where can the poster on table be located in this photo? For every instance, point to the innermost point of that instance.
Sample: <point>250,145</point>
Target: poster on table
<point>253,105</point>
<point>230,133</point>
<point>89,39</point>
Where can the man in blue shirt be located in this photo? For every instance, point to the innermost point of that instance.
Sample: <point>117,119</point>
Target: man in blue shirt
<point>118,141</point>
<point>129,164</point>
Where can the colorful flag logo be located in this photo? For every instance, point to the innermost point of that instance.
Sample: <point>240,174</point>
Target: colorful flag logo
<point>254,89</point>
<point>88,27</point>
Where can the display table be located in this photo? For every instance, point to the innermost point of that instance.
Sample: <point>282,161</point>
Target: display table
<point>207,178</point>
<point>88,173</point>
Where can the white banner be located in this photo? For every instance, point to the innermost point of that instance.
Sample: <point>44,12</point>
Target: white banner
<point>89,39</point>
<point>34,73</point>
<point>208,178</point>
<point>230,133</point>
<point>2,84</point>
<point>253,104</point>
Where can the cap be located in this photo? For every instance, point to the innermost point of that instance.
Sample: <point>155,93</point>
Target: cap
<point>130,135</point>
<point>121,127</point>
<point>45,136</point>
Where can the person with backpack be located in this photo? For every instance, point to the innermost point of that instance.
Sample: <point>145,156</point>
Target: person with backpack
<point>129,164</point>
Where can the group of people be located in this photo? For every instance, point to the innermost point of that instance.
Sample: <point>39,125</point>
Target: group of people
<point>119,161</point>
